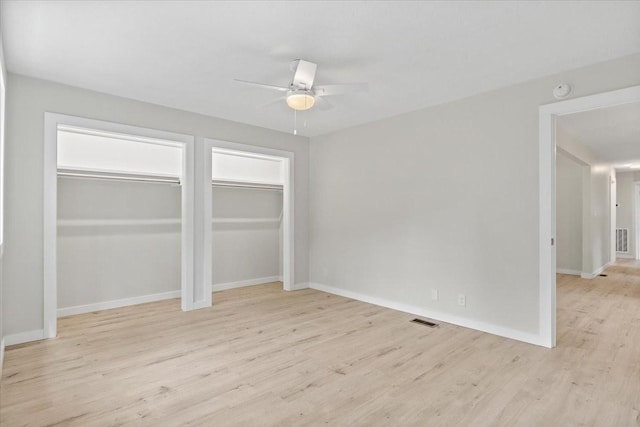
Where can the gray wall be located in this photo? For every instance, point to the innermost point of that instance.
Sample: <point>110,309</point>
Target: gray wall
<point>598,194</point>
<point>27,101</point>
<point>569,214</point>
<point>625,210</point>
<point>243,249</point>
<point>443,198</point>
<point>601,178</point>
<point>102,262</point>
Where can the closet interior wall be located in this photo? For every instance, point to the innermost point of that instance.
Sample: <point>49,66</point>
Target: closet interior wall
<point>117,239</point>
<point>246,234</point>
<point>247,203</point>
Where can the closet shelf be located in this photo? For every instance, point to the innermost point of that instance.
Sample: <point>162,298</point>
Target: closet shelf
<point>117,222</point>
<point>117,176</point>
<point>246,184</point>
<point>244,220</point>
<point>156,222</point>
<point>165,179</point>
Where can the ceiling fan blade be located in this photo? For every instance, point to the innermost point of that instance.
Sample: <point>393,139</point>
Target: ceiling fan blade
<point>262,85</point>
<point>322,104</point>
<point>339,89</point>
<point>305,73</point>
<point>272,102</point>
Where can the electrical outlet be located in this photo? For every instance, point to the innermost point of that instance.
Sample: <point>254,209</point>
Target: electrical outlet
<point>462,300</point>
<point>434,294</point>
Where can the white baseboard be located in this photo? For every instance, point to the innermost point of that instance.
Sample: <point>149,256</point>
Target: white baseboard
<point>24,337</point>
<point>105,305</point>
<point>625,256</point>
<point>595,273</point>
<point>299,286</point>
<point>435,315</point>
<point>200,304</point>
<point>243,283</point>
<point>568,271</point>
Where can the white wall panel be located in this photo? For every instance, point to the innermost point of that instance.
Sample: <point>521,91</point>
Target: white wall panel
<point>92,152</point>
<point>233,167</point>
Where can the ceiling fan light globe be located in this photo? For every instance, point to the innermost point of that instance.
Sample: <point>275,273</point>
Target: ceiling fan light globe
<point>300,101</point>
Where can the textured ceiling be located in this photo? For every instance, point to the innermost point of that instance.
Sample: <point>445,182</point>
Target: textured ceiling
<point>413,54</point>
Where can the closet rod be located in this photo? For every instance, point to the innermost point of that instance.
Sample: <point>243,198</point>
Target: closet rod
<point>117,176</point>
<point>236,184</point>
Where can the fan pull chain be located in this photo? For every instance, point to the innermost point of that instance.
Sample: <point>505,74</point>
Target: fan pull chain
<point>295,122</point>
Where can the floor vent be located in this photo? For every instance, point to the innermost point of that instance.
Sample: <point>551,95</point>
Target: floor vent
<point>622,240</point>
<point>425,323</point>
<point>603,275</point>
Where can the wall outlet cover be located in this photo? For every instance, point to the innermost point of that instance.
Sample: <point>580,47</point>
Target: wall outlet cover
<point>462,300</point>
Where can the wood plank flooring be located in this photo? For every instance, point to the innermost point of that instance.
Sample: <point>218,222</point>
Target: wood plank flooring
<point>263,357</point>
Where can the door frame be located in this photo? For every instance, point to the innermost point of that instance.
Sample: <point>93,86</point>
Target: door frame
<point>547,195</point>
<point>636,216</point>
<point>288,203</point>
<point>50,234</point>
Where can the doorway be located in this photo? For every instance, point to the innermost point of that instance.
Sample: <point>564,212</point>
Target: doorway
<point>549,115</point>
<point>136,138</point>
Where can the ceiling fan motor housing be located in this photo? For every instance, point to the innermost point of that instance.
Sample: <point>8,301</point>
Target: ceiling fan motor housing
<point>304,74</point>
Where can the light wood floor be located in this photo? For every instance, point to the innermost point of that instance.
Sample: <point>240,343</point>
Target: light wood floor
<point>263,357</point>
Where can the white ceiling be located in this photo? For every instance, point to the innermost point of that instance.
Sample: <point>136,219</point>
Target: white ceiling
<point>613,134</point>
<point>413,54</point>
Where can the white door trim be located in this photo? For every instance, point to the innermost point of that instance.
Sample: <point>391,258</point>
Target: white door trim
<point>636,217</point>
<point>547,194</point>
<point>51,122</point>
<point>288,253</point>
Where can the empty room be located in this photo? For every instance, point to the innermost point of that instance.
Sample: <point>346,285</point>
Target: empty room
<point>301,213</point>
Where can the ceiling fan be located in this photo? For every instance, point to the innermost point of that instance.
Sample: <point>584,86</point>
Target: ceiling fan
<point>302,94</point>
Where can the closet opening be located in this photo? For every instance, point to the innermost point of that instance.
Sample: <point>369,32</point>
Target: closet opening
<point>250,238</point>
<point>118,217</point>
